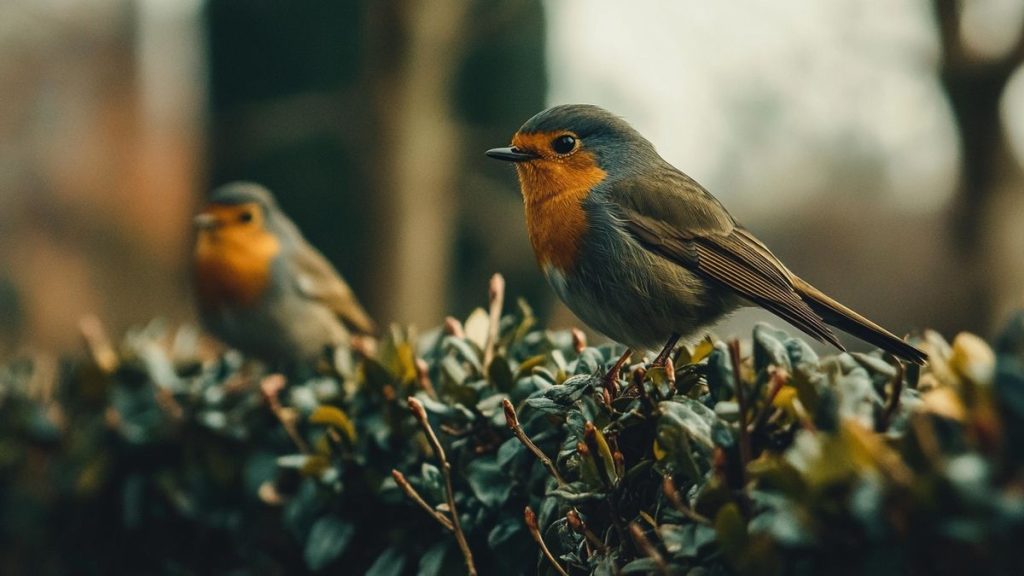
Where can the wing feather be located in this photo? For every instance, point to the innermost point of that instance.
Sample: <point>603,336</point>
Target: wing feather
<point>318,280</point>
<point>676,218</point>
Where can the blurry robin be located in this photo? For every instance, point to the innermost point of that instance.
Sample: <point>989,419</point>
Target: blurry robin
<point>261,288</point>
<point>643,253</point>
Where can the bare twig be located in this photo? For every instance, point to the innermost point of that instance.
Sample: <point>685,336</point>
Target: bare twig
<point>165,400</point>
<point>98,344</point>
<point>446,469</point>
<point>496,297</point>
<point>453,327</point>
<point>271,387</point>
<point>669,487</point>
<point>531,525</point>
<point>639,375</point>
<point>927,439</point>
<point>613,513</point>
<point>779,379</point>
<point>423,378</point>
<point>803,416</point>
<point>415,497</point>
<point>620,463</point>
<point>572,517</point>
<point>513,424</point>
<point>611,378</point>
<point>741,399</point>
<point>670,374</point>
<point>649,549</point>
<point>579,340</point>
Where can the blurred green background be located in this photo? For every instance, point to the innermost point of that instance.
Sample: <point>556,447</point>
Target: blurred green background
<point>876,146</point>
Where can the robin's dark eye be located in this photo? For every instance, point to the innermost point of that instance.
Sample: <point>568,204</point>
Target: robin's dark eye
<point>563,144</point>
<point>245,216</point>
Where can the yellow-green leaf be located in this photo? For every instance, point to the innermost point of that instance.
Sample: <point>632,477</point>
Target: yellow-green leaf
<point>336,418</point>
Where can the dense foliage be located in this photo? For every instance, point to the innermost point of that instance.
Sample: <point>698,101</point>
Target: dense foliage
<point>141,459</point>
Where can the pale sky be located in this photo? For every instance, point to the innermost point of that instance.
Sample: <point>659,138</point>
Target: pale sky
<point>770,103</point>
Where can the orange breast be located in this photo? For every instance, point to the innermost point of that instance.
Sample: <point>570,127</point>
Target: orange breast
<point>553,194</point>
<point>233,267</point>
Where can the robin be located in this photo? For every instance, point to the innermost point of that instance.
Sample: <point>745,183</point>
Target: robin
<point>261,288</point>
<point>643,253</point>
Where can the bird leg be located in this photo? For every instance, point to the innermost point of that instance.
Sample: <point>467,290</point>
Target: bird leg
<point>611,378</point>
<point>662,358</point>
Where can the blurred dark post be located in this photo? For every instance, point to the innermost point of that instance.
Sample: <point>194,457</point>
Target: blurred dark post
<point>991,187</point>
<point>412,56</point>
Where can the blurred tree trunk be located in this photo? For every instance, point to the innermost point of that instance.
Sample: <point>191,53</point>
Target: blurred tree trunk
<point>413,146</point>
<point>990,182</point>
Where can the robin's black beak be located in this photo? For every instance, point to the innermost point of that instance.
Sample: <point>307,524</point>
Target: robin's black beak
<point>511,154</point>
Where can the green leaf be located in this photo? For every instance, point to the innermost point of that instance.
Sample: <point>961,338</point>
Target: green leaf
<point>302,510</point>
<point>432,563</point>
<point>335,417</point>
<point>720,381</point>
<point>466,351</point>
<point>687,540</point>
<point>731,530</point>
<point>590,361</point>
<point>571,390</point>
<point>433,482</point>
<point>500,374</point>
<point>544,405</point>
<point>640,566</point>
<point>507,529</point>
<point>768,348</point>
<point>802,357</point>
<point>489,484</point>
<point>327,541</point>
<point>390,563</point>
<point>691,416</point>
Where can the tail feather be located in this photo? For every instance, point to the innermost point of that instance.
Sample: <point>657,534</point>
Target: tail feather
<point>847,320</point>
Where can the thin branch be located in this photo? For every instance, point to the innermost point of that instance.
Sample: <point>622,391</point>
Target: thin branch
<point>741,399</point>
<point>644,544</point>
<point>670,375</point>
<point>611,378</point>
<point>453,327</point>
<point>613,513</point>
<point>271,387</point>
<point>639,375</point>
<point>165,400</point>
<point>669,487</point>
<point>446,469</point>
<point>496,297</point>
<point>779,379</point>
<point>803,416</point>
<point>531,525</point>
<point>98,344</point>
<point>513,424</point>
<point>415,497</point>
<point>572,517</point>
<point>423,378</point>
<point>927,439</point>
<point>579,340</point>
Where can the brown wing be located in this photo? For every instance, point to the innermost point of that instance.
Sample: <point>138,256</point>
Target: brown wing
<point>675,217</point>
<point>317,280</point>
